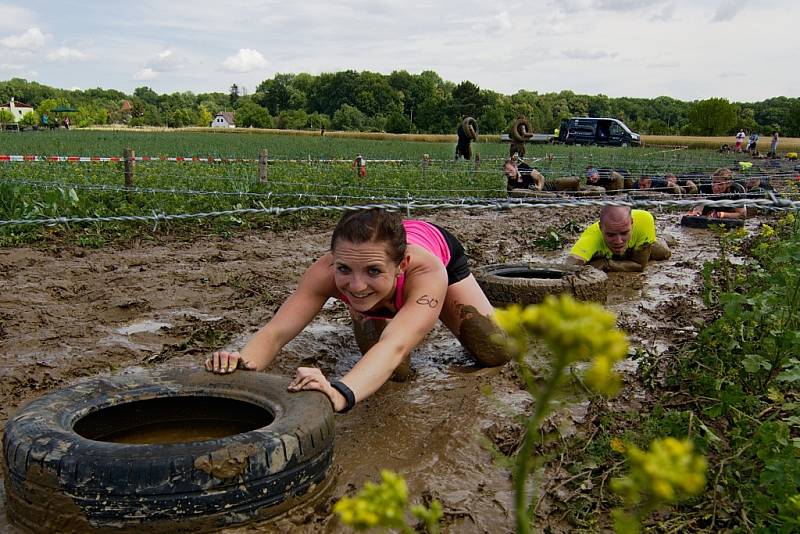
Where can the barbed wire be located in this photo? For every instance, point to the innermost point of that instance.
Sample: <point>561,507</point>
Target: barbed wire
<point>773,203</point>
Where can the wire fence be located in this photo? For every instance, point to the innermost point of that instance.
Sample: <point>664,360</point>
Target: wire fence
<point>43,190</point>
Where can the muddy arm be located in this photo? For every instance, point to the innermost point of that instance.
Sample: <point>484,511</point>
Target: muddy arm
<point>635,264</point>
<point>572,259</point>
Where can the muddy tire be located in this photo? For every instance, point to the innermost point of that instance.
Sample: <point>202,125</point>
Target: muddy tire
<point>697,221</point>
<point>520,130</point>
<point>470,127</point>
<point>530,283</point>
<point>68,470</point>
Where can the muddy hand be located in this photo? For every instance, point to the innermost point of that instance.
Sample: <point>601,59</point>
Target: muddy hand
<point>222,362</point>
<point>309,378</point>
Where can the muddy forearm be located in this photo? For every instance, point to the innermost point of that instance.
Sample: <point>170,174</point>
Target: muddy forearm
<point>623,266</point>
<point>574,260</point>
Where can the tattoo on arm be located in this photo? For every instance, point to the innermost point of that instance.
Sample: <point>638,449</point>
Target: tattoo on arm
<point>425,300</point>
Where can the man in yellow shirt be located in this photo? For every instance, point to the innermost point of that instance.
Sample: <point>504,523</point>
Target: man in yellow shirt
<point>622,240</point>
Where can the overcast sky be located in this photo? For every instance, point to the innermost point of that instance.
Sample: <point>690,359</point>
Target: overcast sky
<point>686,49</point>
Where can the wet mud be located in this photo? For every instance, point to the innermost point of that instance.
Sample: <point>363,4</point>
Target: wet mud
<point>69,312</point>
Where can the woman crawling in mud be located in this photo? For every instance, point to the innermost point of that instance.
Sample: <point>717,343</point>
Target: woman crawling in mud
<point>397,278</point>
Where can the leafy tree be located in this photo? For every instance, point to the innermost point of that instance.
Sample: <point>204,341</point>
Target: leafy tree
<point>147,95</point>
<point>251,114</point>
<point>204,117</point>
<point>233,94</point>
<point>29,120</point>
<point>293,119</point>
<point>348,117</point>
<point>714,116</point>
<point>6,117</point>
<point>398,123</point>
<point>793,120</point>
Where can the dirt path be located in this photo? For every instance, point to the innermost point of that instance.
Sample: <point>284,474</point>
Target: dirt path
<point>70,313</point>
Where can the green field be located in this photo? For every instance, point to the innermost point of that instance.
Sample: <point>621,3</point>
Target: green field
<point>303,171</point>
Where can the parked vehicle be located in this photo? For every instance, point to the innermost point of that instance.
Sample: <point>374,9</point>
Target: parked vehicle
<point>597,131</point>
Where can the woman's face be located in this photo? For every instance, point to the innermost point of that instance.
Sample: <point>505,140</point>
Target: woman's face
<point>365,273</point>
<point>720,184</point>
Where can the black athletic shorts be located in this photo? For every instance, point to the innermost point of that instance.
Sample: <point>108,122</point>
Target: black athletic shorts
<point>457,268</point>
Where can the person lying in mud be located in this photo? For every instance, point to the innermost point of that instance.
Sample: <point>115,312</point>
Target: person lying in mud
<point>656,184</point>
<point>683,184</point>
<point>606,181</point>
<point>622,240</point>
<point>397,278</point>
<point>722,187</point>
<point>757,185</point>
<point>520,175</point>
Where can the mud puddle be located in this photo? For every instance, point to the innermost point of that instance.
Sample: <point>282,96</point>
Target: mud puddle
<point>68,313</point>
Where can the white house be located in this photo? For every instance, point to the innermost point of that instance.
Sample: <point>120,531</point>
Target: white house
<point>17,109</point>
<point>223,119</point>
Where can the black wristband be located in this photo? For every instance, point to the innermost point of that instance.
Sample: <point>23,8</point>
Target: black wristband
<point>347,393</point>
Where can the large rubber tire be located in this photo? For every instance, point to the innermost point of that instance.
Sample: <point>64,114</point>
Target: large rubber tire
<point>520,130</point>
<point>470,127</point>
<point>529,283</point>
<point>697,221</point>
<point>57,480</point>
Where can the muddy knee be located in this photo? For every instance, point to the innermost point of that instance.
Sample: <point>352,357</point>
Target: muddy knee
<point>367,332</point>
<point>477,335</point>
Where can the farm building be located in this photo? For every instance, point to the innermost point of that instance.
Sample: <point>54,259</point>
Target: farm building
<point>223,119</point>
<point>17,109</point>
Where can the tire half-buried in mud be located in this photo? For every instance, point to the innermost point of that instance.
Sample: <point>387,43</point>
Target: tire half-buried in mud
<point>530,283</point>
<point>74,459</point>
<point>698,221</point>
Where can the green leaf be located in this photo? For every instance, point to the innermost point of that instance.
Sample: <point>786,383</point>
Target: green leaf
<point>754,362</point>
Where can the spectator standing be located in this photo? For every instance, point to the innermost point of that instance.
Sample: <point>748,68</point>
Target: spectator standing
<point>739,141</point>
<point>773,146</point>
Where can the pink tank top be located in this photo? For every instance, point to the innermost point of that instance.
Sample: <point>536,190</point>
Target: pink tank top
<point>427,236</point>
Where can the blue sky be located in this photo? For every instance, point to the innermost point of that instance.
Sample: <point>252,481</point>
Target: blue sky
<point>680,48</point>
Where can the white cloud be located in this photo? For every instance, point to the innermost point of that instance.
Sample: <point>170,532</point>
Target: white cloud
<point>575,53</point>
<point>246,60</point>
<point>727,9</point>
<point>166,60</point>
<point>15,17</point>
<point>499,24</point>
<point>663,65</point>
<point>145,74</point>
<point>64,54</point>
<point>30,39</point>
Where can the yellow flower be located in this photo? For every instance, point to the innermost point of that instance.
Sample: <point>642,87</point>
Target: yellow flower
<point>766,230</point>
<point>617,445</point>
<point>668,472</point>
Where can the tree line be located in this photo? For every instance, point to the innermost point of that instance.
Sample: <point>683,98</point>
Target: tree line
<point>401,102</point>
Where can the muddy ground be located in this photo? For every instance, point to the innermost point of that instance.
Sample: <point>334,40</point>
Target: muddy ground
<point>69,312</point>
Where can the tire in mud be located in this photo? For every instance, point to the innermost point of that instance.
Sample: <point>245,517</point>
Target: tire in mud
<point>697,221</point>
<point>67,469</point>
<point>530,283</point>
<point>470,126</point>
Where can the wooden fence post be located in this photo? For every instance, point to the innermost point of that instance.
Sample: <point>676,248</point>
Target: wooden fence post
<point>128,157</point>
<point>263,166</point>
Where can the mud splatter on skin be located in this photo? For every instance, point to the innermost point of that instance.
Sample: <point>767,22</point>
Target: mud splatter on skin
<point>477,333</point>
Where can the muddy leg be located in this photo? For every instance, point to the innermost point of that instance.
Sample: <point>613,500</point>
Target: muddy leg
<point>570,183</point>
<point>660,250</point>
<point>468,314</point>
<point>367,333</point>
